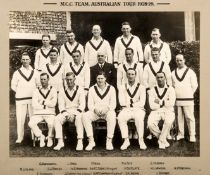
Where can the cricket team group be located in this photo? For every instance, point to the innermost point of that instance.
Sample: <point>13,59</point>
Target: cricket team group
<point>83,84</point>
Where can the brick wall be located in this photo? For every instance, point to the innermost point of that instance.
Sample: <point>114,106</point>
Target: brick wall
<point>37,22</point>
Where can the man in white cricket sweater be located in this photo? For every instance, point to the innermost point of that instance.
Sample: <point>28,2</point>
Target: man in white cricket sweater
<point>165,52</point>
<point>55,70</point>
<point>71,103</point>
<point>101,105</point>
<point>156,65</point>
<point>185,83</point>
<point>43,102</point>
<point>80,69</point>
<point>129,63</point>
<point>125,41</point>
<point>95,45</point>
<point>42,54</point>
<point>68,48</point>
<point>24,82</point>
<point>161,100</point>
<point>132,96</point>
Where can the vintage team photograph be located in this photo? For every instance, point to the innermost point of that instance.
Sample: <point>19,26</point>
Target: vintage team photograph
<point>104,84</point>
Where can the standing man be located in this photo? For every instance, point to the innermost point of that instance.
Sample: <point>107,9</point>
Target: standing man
<point>80,69</point>
<point>43,103</point>
<point>129,63</point>
<point>42,54</point>
<point>185,83</point>
<point>161,100</point>
<point>24,82</point>
<point>151,69</point>
<point>95,45</point>
<point>55,70</point>
<point>101,105</point>
<point>106,67</point>
<point>165,52</point>
<point>71,104</point>
<point>132,96</point>
<point>125,41</point>
<point>69,47</point>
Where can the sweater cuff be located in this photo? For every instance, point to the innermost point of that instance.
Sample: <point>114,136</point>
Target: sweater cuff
<point>63,111</point>
<point>79,110</point>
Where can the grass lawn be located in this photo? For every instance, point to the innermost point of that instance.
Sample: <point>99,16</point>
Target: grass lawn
<point>181,148</point>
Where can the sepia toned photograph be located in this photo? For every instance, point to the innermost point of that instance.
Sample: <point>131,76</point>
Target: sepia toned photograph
<point>104,84</point>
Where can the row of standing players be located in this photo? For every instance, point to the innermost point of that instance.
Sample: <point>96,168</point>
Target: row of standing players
<point>184,88</point>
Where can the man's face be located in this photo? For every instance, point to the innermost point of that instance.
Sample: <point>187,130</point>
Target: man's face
<point>70,37</point>
<point>96,31</point>
<point>25,60</point>
<point>160,77</point>
<point>129,56</point>
<point>180,61</point>
<point>101,80</point>
<point>44,80</point>
<point>126,30</point>
<point>155,56</point>
<point>70,80</point>
<point>155,35</point>
<point>131,75</point>
<point>76,57</point>
<point>101,58</point>
<point>46,41</point>
<point>53,56</point>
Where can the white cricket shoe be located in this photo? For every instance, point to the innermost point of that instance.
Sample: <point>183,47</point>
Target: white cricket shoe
<point>49,142</point>
<point>142,144</point>
<point>91,145</point>
<point>125,144</point>
<point>42,141</point>
<point>59,146</point>
<point>179,137</point>
<point>161,144</point>
<point>79,145</point>
<point>109,145</point>
<point>192,139</point>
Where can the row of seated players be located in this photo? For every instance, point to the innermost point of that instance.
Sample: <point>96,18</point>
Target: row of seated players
<point>102,104</point>
<point>24,81</point>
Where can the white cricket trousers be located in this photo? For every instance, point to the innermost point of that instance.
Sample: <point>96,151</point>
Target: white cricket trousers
<point>35,119</point>
<point>90,116</point>
<point>61,119</point>
<point>153,120</point>
<point>21,112</point>
<point>188,113</point>
<point>131,113</point>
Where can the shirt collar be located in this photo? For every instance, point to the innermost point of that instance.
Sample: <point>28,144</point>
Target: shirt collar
<point>48,88</point>
<point>93,39</point>
<point>57,63</point>
<point>159,42</point>
<point>130,87</point>
<point>74,88</point>
<point>48,48</point>
<point>23,68</point>
<point>100,88</point>
<point>80,64</point>
<point>128,37</point>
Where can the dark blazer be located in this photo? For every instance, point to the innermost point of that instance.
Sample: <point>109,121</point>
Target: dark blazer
<point>109,70</point>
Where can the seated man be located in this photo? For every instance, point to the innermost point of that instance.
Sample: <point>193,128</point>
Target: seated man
<point>161,100</point>
<point>43,102</point>
<point>71,104</point>
<point>101,105</point>
<point>132,98</point>
<point>103,65</point>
